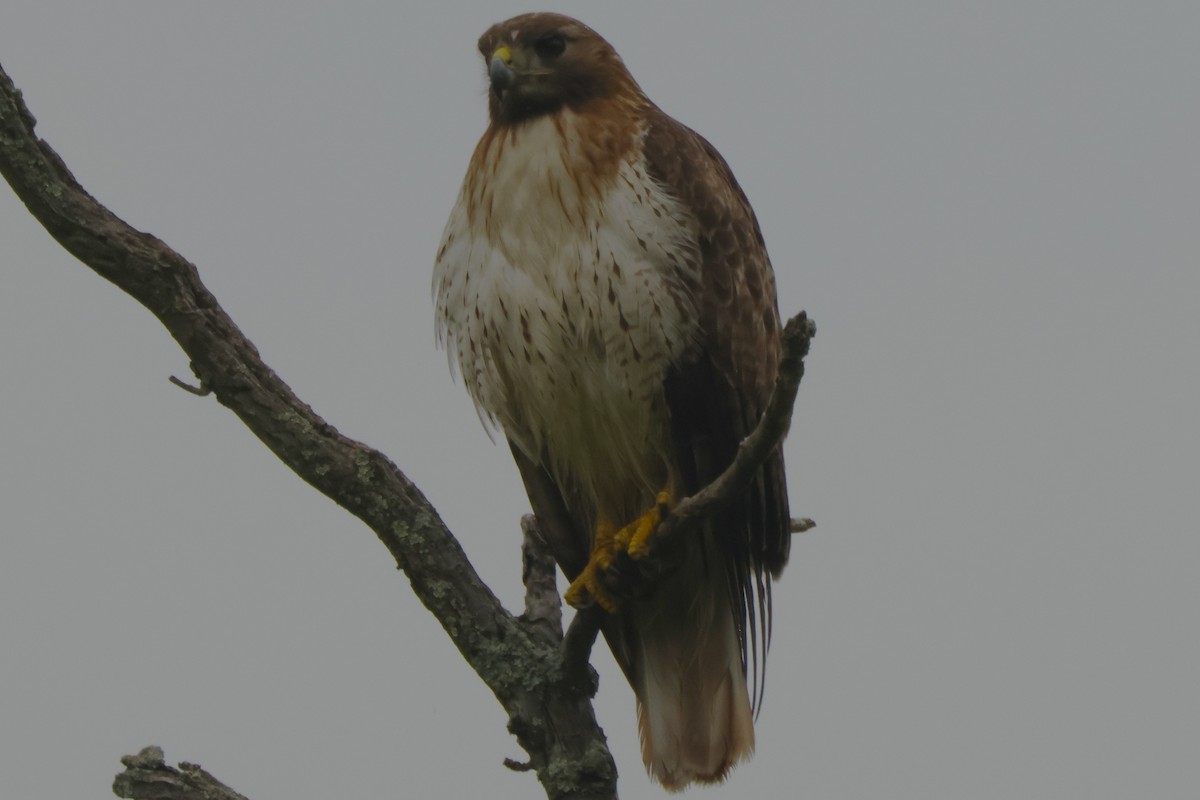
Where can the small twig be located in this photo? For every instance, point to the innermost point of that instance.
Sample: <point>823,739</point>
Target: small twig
<point>577,643</point>
<point>758,446</point>
<point>538,573</point>
<point>147,777</point>
<point>203,390</point>
<point>518,766</point>
<point>801,525</point>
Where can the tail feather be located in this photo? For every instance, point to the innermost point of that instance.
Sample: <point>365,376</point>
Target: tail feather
<point>694,713</point>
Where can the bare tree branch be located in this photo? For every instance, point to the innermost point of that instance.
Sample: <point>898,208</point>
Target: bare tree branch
<point>539,574</point>
<point>541,677</point>
<point>552,720</point>
<point>147,777</point>
<point>767,435</point>
<point>579,639</point>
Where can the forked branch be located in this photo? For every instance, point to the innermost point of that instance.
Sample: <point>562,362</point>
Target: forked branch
<point>528,665</point>
<point>552,720</point>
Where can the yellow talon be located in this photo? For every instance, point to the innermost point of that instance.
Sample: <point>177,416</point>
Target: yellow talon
<point>645,526</point>
<point>575,593</point>
<point>604,549</point>
<point>588,581</point>
<point>633,539</point>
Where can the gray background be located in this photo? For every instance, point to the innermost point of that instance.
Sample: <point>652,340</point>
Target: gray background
<point>991,210</point>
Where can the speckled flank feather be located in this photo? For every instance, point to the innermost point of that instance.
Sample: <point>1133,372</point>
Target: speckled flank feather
<point>604,290</point>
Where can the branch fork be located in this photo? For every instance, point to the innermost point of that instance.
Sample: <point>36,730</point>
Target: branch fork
<point>540,676</point>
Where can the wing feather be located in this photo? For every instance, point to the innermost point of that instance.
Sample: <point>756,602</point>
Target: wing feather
<point>717,394</point>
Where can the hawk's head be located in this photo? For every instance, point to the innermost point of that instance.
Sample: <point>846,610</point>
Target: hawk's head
<point>540,63</point>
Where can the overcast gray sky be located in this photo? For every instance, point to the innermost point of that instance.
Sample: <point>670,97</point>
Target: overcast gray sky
<point>992,211</point>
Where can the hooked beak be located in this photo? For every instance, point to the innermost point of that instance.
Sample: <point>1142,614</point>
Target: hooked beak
<point>500,70</point>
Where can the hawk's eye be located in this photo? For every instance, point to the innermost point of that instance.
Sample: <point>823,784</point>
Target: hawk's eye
<point>550,46</point>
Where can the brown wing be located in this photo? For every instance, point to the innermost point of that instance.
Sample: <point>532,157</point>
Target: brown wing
<point>717,396</point>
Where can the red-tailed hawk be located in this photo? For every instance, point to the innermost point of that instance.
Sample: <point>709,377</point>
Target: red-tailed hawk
<point>604,288</point>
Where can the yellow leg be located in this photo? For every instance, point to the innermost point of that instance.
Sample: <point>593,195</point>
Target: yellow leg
<point>633,539</point>
<point>588,581</point>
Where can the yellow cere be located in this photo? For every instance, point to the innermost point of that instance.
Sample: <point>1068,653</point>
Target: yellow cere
<point>503,53</point>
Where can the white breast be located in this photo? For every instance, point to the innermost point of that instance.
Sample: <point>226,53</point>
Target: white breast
<point>563,302</point>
